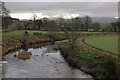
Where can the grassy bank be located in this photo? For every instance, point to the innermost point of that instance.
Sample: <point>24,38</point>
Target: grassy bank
<point>94,63</point>
<point>108,43</point>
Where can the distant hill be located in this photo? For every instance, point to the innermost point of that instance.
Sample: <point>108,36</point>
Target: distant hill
<point>104,19</point>
<point>97,19</point>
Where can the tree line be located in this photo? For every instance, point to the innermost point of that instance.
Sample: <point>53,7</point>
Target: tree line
<point>45,24</point>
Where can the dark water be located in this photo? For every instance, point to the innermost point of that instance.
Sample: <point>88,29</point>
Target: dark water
<point>44,63</point>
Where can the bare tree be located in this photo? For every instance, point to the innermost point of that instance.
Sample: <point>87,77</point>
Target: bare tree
<point>96,26</point>
<point>39,23</point>
<point>87,21</point>
<point>61,23</point>
<point>3,10</point>
<point>71,31</point>
<point>34,17</point>
<point>5,19</point>
<point>114,26</point>
<point>51,26</point>
<point>118,25</point>
<point>78,23</point>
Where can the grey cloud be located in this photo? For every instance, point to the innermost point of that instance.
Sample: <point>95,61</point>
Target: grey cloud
<point>100,9</point>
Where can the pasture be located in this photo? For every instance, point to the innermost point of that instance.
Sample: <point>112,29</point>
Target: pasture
<point>107,43</point>
<point>18,33</point>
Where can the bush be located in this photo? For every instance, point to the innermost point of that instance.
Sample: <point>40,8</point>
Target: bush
<point>37,33</point>
<point>110,66</point>
<point>103,68</point>
<point>106,68</point>
<point>26,33</point>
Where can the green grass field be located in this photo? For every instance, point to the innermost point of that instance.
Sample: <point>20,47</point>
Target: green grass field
<point>18,33</point>
<point>108,43</point>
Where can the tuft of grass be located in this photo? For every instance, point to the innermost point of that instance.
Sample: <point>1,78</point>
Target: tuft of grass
<point>101,68</point>
<point>88,56</point>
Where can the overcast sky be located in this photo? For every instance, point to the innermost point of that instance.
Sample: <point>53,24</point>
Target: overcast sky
<point>24,10</point>
<point>61,0</point>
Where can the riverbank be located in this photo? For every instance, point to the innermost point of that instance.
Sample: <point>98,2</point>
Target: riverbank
<point>14,44</point>
<point>94,62</point>
<point>87,59</point>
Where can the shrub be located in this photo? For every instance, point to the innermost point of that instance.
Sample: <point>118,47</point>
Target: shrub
<point>26,33</point>
<point>37,33</point>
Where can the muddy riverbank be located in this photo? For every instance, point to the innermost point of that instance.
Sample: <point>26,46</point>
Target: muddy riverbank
<point>14,44</point>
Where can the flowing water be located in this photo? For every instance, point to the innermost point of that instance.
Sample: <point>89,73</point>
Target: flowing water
<point>44,63</point>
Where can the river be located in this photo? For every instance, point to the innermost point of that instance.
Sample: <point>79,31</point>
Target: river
<point>44,63</point>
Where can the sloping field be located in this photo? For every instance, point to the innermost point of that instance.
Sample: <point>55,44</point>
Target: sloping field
<point>108,43</point>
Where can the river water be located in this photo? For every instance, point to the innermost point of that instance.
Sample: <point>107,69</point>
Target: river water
<point>44,63</point>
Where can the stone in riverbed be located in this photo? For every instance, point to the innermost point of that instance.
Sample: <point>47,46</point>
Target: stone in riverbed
<point>15,55</point>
